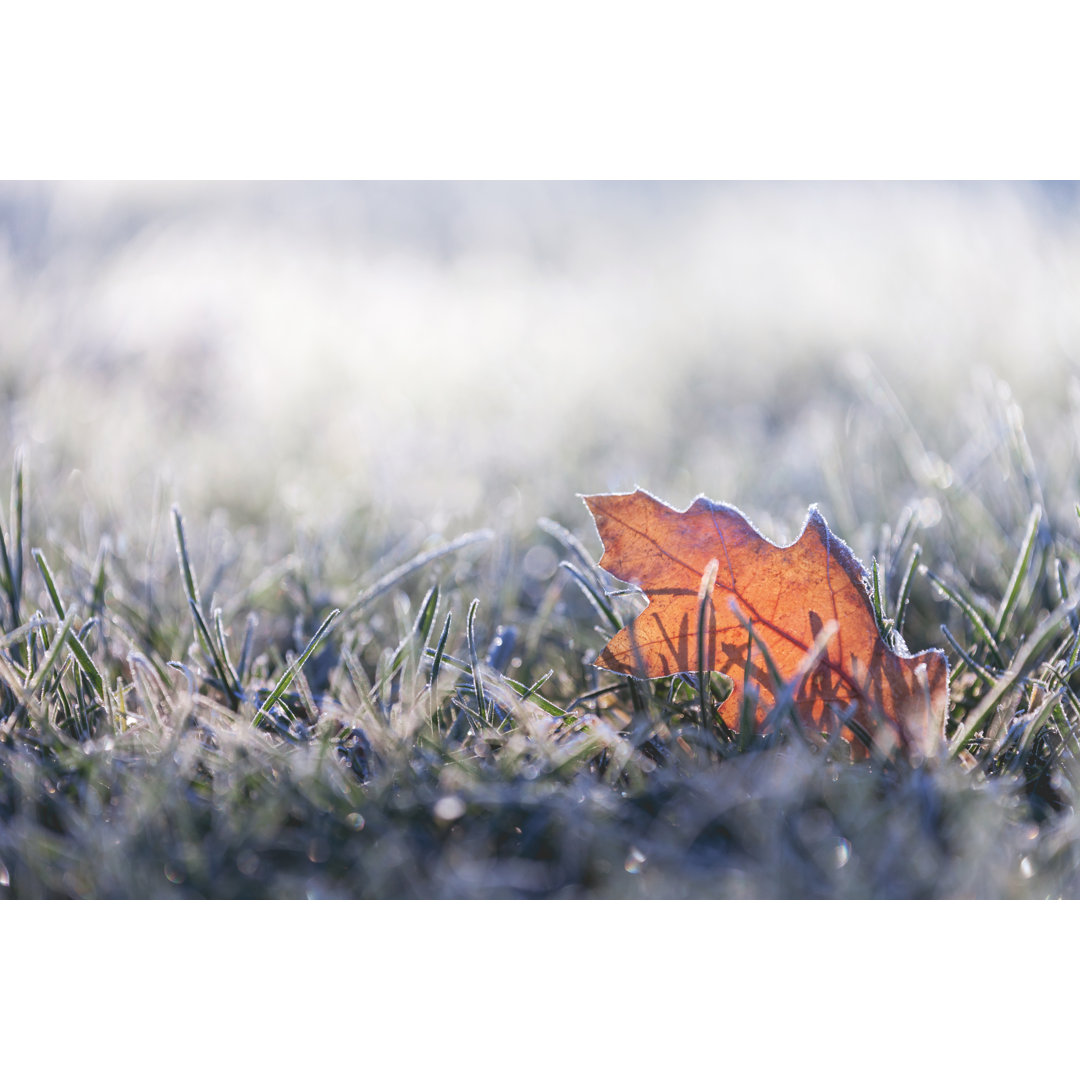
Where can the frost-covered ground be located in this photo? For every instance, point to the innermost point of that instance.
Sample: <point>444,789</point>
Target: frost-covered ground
<point>331,379</point>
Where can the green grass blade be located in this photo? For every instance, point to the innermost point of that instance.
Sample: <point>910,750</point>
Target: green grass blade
<point>436,664</point>
<point>222,669</point>
<point>246,657</point>
<point>1017,670</point>
<point>8,579</point>
<point>387,582</point>
<point>86,662</point>
<point>967,658</point>
<point>286,679</point>
<point>233,679</point>
<point>973,616</point>
<point>905,587</point>
<point>568,541</point>
<point>50,584</point>
<point>50,658</point>
<point>705,626</point>
<point>415,639</point>
<point>529,693</point>
<point>603,608</point>
<point>1012,590</point>
<point>474,663</point>
<point>190,585</point>
<point>876,596</point>
<point>426,617</point>
<point>83,657</point>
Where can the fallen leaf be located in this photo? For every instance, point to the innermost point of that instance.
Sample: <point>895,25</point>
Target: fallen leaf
<point>792,597</point>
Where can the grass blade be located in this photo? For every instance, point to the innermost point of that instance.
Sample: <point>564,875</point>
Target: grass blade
<point>225,672</point>
<point>50,585</point>
<point>83,657</point>
<point>474,663</point>
<point>219,633</point>
<point>704,629</point>
<point>1017,669</point>
<point>286,679</point>
<point>876,595</point>
<point>50,658</point>
<point>1012,590</point>
<point>384,584</point>
<point>436,665</point>
<point>905,587</point>
<point>86,662</point>
<point>603,608</point>
<point>973,616</point>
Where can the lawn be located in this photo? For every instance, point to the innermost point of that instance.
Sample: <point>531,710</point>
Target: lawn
<point>299,596</point>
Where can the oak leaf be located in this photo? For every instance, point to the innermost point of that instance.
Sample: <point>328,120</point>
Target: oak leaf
<point>806,604</point>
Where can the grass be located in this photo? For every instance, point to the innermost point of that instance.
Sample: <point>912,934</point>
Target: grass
<point>237,712</point>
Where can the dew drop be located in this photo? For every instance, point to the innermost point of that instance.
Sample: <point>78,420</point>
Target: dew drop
<point>448,808</point>
<point>842,853</point>
<point>634,861</point>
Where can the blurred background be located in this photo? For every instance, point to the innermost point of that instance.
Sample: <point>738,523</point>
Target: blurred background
<point>440,356</point>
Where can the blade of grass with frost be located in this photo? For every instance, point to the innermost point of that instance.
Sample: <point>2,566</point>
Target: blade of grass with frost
<point>603,608</point>
<point>31,649</point>
<point>202,630</point>
<point>884,623</point>
<point>421,633</point>
<point>361,684</point>
<point>570,542</point>
<point>968,609</point>
<point>811,658</point>
<point>705,609</point>
<point>474,663</point>
<point>13,679</point>
<point>16,637</point>
<point>86,661</point>
<point>784,702</point>
<point>1038,721</point>
<point>8,581</point>
<point>142,672</point>
<point>290,673</point>
<point>594,590</point>
<point>416,639</point>
<point>223,648</point>
<point>980,669</point>
<point>1012,590</point>
<point>50,585</point>
<point>436,665</point>
<point>905,587</point>
<point>529,693</point>
<point>48,662</point>
<point>77,647</point>
<point>1017,669</point>
<point>387,582</point>
<point>244,667</point>
<point>748,705</point>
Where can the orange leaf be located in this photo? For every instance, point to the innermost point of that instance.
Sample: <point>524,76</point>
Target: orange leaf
<point>812,591</point>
